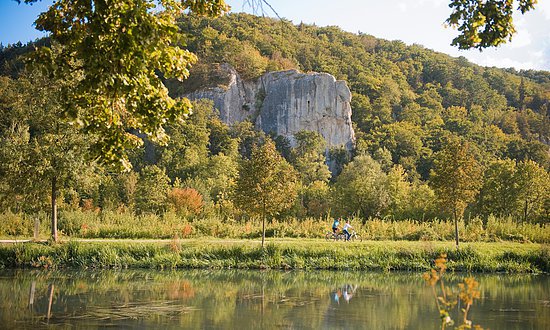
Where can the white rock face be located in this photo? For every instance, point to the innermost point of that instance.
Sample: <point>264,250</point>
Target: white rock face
<point>286,102</point>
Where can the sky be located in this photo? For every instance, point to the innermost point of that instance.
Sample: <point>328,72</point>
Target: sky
<point>411,21</point>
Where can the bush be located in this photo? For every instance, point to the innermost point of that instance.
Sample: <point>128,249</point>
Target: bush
<point>74,223</point>
<point>15,224</point>
<point>186,200</point>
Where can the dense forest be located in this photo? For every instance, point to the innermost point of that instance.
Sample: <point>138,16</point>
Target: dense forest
<point>436,137</point>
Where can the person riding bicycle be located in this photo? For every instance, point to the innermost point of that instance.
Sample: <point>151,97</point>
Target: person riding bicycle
<point>336,225</point>
<point>346,228</point>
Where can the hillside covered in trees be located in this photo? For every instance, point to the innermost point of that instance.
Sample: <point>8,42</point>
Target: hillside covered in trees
<point>436,137</point>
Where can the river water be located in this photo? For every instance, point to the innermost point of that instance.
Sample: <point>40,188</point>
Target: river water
<point>230,299</point>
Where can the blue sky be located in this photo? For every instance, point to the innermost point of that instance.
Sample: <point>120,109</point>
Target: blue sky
<point>412,21</point>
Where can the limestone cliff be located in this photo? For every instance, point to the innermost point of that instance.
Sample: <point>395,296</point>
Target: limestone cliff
<point>286,102</point>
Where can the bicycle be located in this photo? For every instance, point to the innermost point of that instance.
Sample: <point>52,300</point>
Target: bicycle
<point>335,236</point>
<point>340,236</point>
<point>355,237</point>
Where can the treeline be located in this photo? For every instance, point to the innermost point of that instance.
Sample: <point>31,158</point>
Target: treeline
<point>415,113</point>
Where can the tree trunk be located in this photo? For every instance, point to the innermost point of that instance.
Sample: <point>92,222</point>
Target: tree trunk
<point>263,231</point>
<point>525,211</point>
<point>54,209</point>
<point>456,228</point>
<point>50,301</point>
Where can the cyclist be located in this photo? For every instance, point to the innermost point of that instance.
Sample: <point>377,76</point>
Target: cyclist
<point>336,225</point>
<point>346,228</point>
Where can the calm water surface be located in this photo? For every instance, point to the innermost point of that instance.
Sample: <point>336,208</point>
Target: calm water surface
<point>227,299</point>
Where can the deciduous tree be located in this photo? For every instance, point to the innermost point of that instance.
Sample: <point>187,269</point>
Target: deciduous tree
<point>499,193</point>
<point>120,49</point>
<point>267,183</point>
<point>533,188</point>
<point>308,157</point>
<point>361,188</point>
<point>455,178</point>
<point>40,154</point>
<point>152,190</point>
<point>484,24</point>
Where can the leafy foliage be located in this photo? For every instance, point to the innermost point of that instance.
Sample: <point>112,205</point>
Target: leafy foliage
<point>484,24</point>
<point>152,190</point>
<point>360,188</point>
<point>267,183</point>
<point>456,177</point>
<point>186,200</point>
<point>118,49</point>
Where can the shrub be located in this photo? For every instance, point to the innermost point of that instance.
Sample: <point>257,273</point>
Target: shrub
<point>15,224</point>
<point>186,200</point>
<point>76,222</point>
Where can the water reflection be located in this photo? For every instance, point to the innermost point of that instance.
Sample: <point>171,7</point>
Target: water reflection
<point>346,292</point>
<point>253,299</point>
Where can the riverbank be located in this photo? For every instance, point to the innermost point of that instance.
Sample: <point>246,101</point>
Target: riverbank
<point>279,254</point>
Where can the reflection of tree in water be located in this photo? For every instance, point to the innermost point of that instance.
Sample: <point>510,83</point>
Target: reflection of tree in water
<point>245,299</point>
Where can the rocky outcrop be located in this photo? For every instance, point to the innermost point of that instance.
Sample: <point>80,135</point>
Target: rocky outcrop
<point>286,102</point>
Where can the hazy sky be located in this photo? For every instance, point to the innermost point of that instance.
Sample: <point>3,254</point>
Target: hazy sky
<point>412,21</point>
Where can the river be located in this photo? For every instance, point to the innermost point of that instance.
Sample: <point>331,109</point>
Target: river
<point>231,299</point>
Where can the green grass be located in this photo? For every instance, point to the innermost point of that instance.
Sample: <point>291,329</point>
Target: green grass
<point>278,254</point>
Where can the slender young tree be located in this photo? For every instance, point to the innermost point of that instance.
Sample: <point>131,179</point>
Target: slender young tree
<point>267,183</point>
<point>455,178</point>
<point>40,153</point>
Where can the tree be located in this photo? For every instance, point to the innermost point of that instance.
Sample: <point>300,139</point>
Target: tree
<point>517,189</point>
<point>455,178</point>
<point>267,183</point>
<point>185,200</point>
<point>499,193</point>
<point>308,157</point>
<point>403,138</point>
<point>188,145</point>
<point>533,188</point>
<point>40,154</point>
<point>215,178</point>
<point>109,193</point>
<point>484,24</point>
<point>247,136</point>
<point>316,198</point>
<point>421,203</point>
<point>384,158</point>
<point>120,49</point>
<point>152,190</point>
<point>398,191</point>
<point>361,188</point>
<point>246,59</point>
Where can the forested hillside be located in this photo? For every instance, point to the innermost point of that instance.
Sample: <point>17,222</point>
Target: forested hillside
<point>407,100</point>
<point>437,137</point>
<point>396,87</point>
